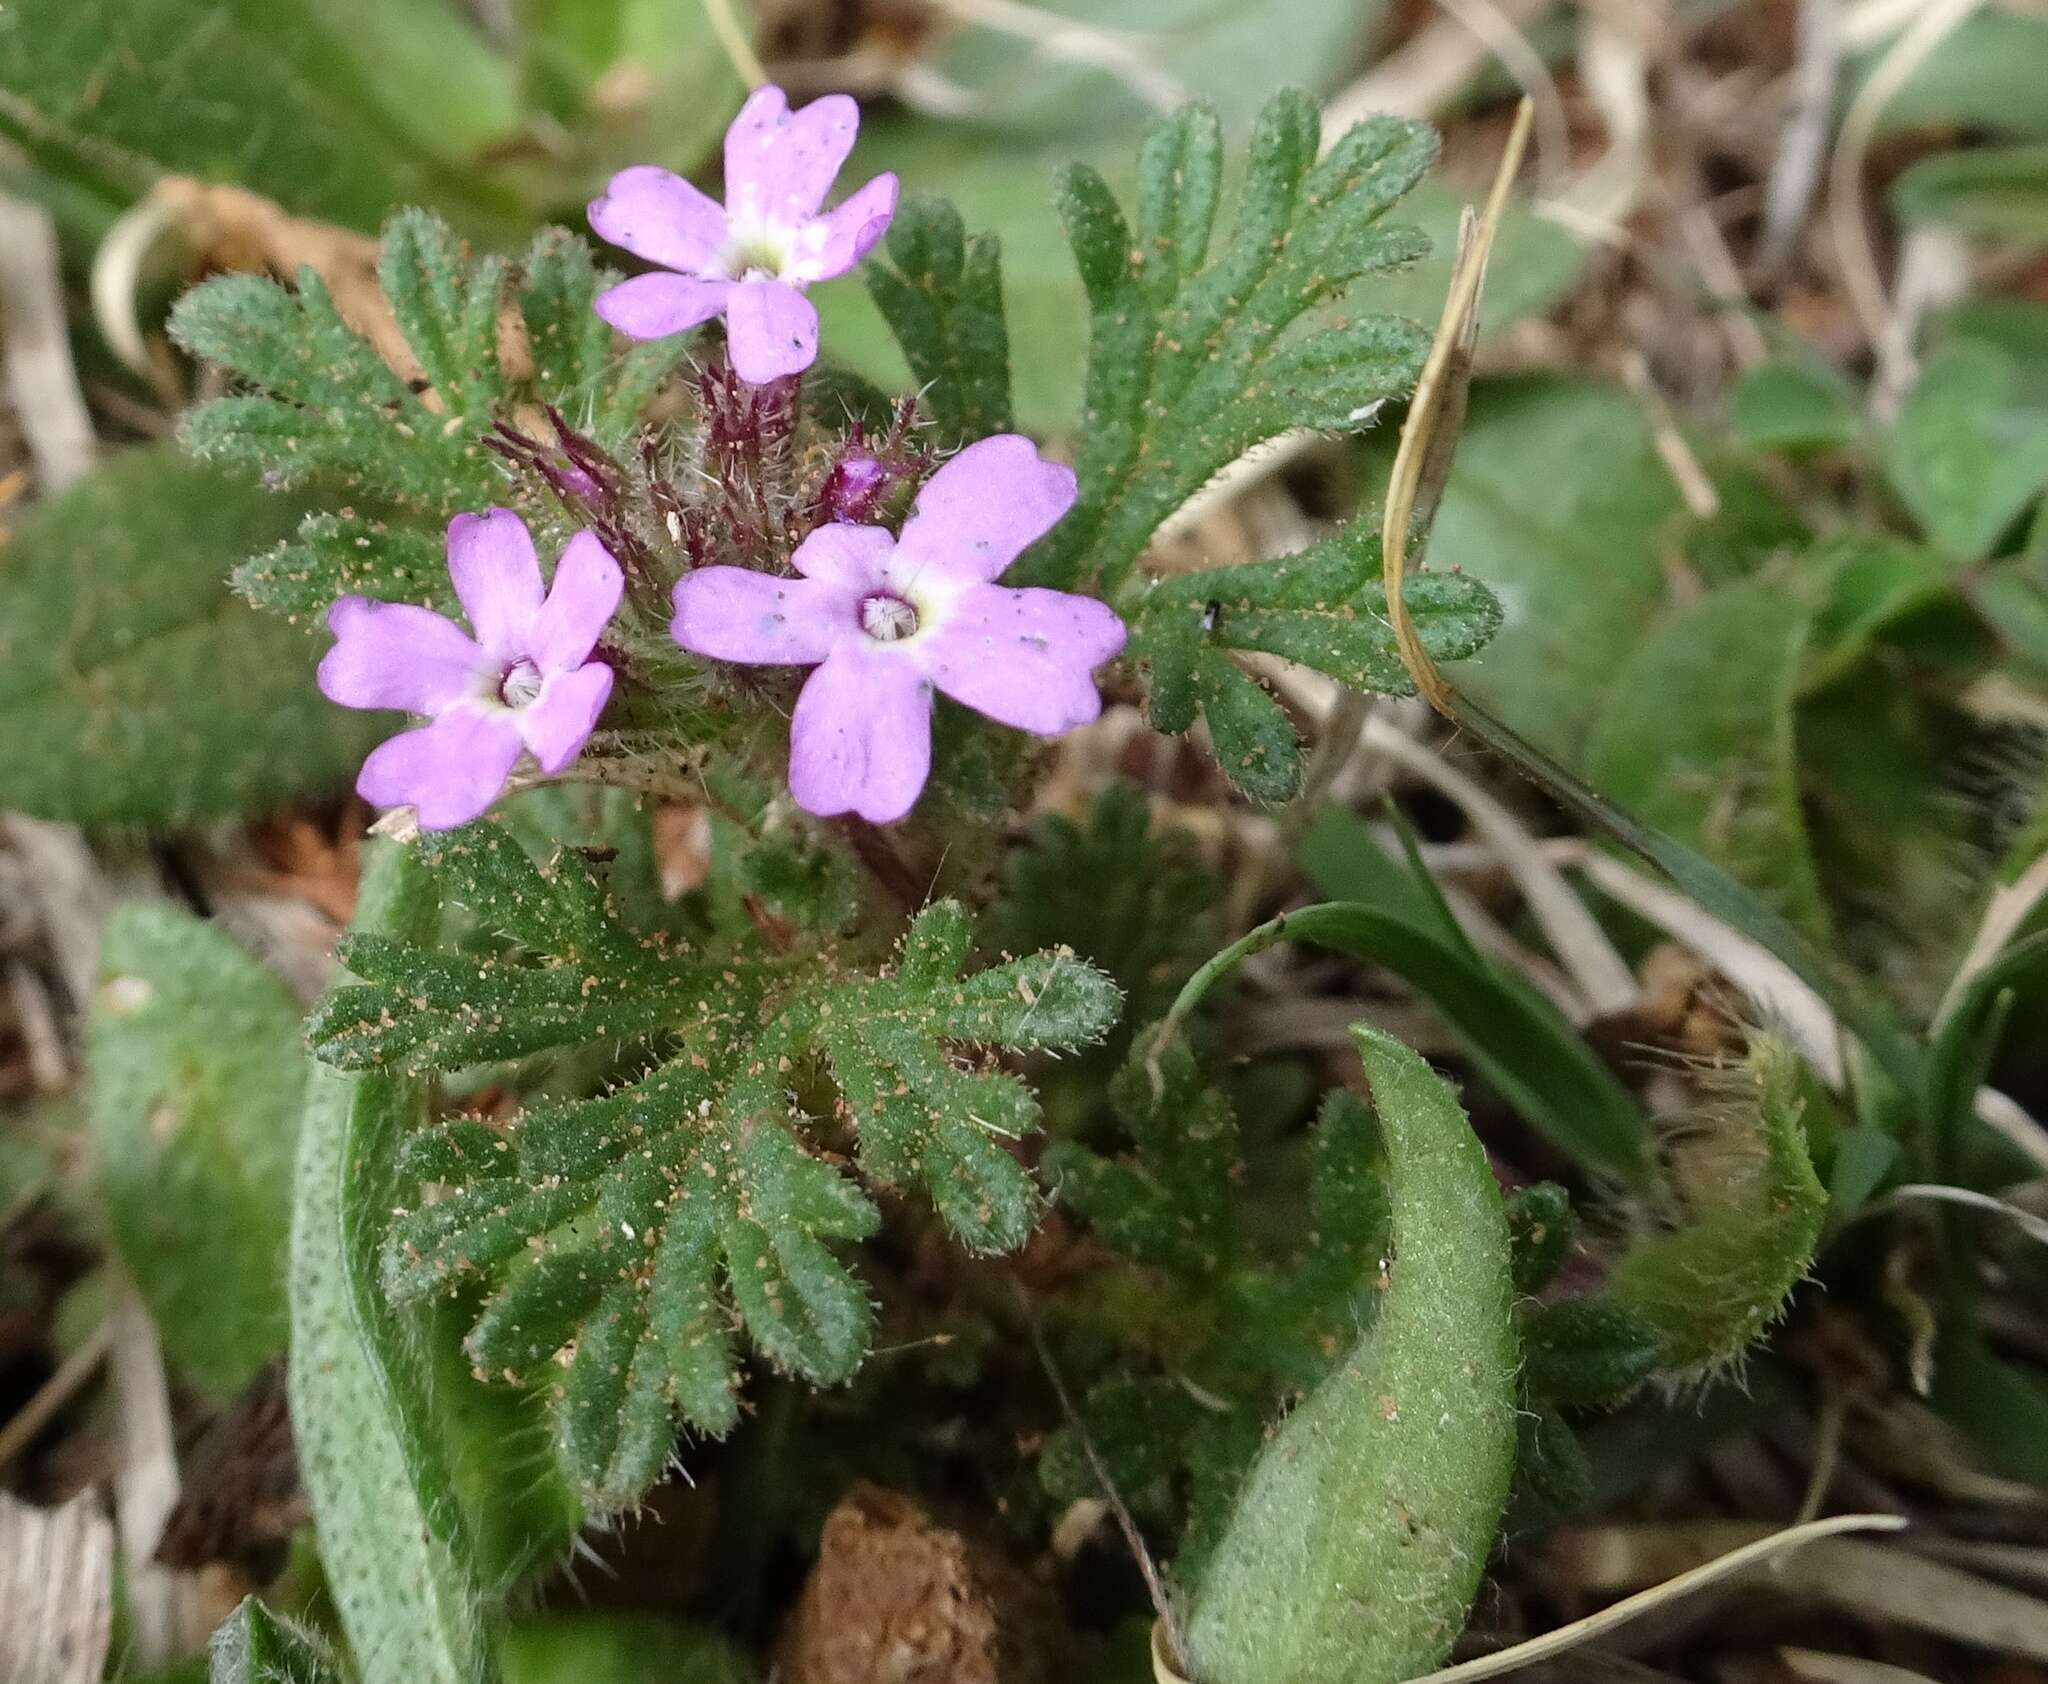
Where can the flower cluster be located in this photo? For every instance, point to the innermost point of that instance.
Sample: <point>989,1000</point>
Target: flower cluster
<point>885,619</point>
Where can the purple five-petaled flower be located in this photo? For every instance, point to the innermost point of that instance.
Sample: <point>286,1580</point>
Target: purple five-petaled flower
<point>524,681</point>
<point>885,620</point>
<point>749,259</point>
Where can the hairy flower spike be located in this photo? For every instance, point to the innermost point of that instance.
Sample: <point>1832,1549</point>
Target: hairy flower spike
<point>886,620</point>
<point>524,682</point>
<point>749,259</point>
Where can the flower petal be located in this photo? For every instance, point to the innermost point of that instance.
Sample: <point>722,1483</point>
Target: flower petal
<point>980,511</point>
<point>450,771</point>
<point>860,740</point>
<point>654,306</point>
<point>734,614</point>
<point>581,601</point>
<point>1025,658</point>
<point>770,330</point>
<point>779,164</point>
<point>829,245</point>
<point>394,655</point>
<point>656,214</point>
<point>852,556</point>
<point>558,722</point>
<point>497,576</point>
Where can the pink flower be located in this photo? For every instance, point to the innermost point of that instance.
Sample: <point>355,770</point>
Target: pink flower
<point>885,620</point>
<point>749,259</point>
<point>525,681</point>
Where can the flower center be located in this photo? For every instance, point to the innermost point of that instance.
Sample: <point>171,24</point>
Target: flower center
<point>521,683</point>
<point>887,619</point>
<point>759,258</point>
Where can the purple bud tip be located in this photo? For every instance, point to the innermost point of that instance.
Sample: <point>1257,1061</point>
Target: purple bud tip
<point>855,486</point>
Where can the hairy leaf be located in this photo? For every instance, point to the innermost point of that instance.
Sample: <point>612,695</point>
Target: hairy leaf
<point>255,1646</point>
<point>622,1237</point>
<point>400,433</point>
<point>1714,1282</point>
<point>1325,608</point>
<point>1173,1206</point>
<point>134,689</point>
<point>944,302</point>
<point>396,1547</point>
<point>1355,1547</point>
<point>1191,362</point>
<point>198,1078</point>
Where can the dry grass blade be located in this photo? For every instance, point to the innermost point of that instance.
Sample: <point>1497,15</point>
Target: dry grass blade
<point>73,1374</point>
<point>1766,979</point>
<point>1846,1669</point>
<point>1418,452</point>
<point>168,1623</point>
<point>1888,1587</point>
<point>734,41</point>
<point>2010,903</point>
<point>42,384</point>
<point>1755,1553</point>
<point>1848,227</point>
<point>1571,931</point>
<point>57,1591</point>
<point>1802,148</point>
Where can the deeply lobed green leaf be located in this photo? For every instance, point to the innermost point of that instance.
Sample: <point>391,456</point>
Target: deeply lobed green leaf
<point>1325,608</point>
<point>1191,362</point>
<point>397,427</point>
<point>621,1236</point>
<point>943,301</point>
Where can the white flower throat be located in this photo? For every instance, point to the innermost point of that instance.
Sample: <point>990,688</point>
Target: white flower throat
<point>887,619</point>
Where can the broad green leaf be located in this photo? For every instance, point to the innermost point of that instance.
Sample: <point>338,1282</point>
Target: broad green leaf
<point>2016,326</point>
<point>340,111</point>
<point>198,1078</point>
<point>1872,586</point>
<point>1984,75</point>
<point>133,687</point>
<point>1967,454</point>
<point>255,1646</point>
<point>395,1544</point>
<point>627,81</point>
<point>1559,504</point>
<point>1354,1549</point>
<point>1796,403</point>
<point>2000,193</point>
<point>1231,56</point>
<point>1698,740</point>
